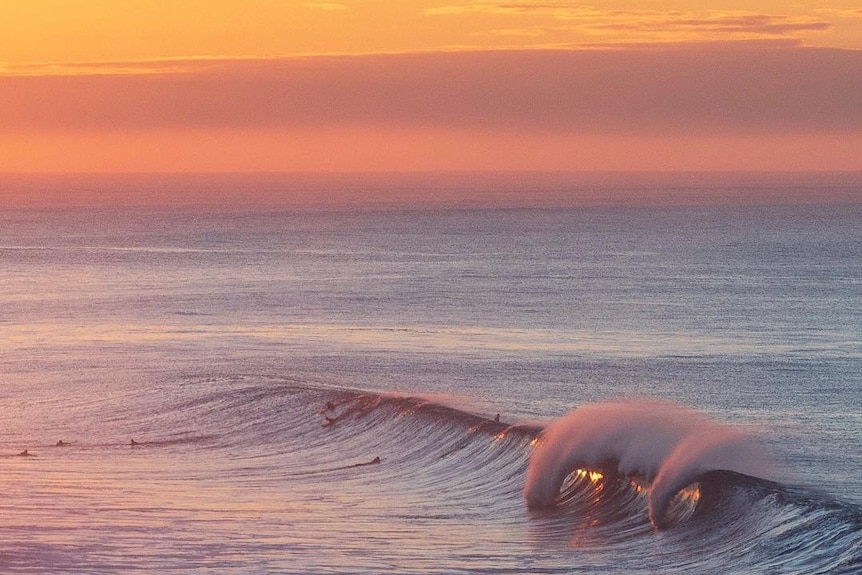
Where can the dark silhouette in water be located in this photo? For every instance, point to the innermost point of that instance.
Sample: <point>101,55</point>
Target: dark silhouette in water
<point>26,453</point>
<point>134,443</point>
<point>497,418</point>
<point>62,443</point>
<point>374,461</point>
<point>330,421</point>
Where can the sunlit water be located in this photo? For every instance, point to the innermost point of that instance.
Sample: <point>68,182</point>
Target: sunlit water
<point>214,340</point>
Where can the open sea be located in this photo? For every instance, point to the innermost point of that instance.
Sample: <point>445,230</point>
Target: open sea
<point>616,389</point>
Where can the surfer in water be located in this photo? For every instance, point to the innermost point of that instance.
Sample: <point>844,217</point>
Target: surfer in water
<point>26,453</point>
<point>330,421</point>
<point>62,443</point>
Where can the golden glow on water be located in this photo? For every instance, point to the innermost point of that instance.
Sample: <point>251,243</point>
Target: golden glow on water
<point>591,475</point>
<point>636,485</point>
<point>684,503</point>
<point>689,495</point>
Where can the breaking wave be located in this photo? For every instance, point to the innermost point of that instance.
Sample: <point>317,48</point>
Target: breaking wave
<point>604,476</point>
<point>663,444</point>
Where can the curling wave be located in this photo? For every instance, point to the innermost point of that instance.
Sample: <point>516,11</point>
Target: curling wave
<point>610,473</point>
<point>666,445</point>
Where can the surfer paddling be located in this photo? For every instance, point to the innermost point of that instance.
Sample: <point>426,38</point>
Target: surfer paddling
<point>360,407</point>
<point>328,407</point>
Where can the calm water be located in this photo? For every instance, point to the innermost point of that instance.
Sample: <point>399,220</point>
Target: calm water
<point>215,339</point>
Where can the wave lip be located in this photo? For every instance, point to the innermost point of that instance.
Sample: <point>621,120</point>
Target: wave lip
<point>667,445</point>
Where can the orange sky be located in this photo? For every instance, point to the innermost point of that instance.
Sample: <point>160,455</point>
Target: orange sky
<point>374,85</point>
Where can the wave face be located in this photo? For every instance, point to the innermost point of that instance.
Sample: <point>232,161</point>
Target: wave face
<point>598,480</point>
<point>336,480</point>
<point>666,445</point>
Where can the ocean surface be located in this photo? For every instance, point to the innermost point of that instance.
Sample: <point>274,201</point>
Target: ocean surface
<point>601,389</point>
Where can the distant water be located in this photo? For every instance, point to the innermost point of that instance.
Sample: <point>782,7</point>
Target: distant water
<point>709,360</point>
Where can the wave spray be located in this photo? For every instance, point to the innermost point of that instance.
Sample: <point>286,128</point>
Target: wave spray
<point>667,445</point>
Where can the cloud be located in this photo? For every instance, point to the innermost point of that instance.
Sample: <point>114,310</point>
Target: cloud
<point>326,6</point>
<point>130,68</point>
<point>707,89</point>
<point>522,32</point>
<point>842,12</point>
<point>557,9</point>
<point>752,24</point>
<point>648,23</point>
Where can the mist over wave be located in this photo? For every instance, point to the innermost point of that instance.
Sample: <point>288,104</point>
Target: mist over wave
<point>667,445</point>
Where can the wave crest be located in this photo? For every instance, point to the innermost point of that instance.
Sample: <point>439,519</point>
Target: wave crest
<point>667,445</point>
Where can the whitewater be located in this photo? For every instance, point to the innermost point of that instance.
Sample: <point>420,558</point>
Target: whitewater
<point>316,390</point>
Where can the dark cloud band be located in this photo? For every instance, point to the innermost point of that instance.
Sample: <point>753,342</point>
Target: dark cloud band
<point>721,88</point>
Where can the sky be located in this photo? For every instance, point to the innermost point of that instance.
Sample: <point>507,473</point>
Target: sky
<point>114,86</point>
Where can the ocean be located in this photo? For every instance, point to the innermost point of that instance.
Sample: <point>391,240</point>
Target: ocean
<point>431,389</point>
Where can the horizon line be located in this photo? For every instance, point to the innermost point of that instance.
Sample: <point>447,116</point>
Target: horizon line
<point>427,190</point>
